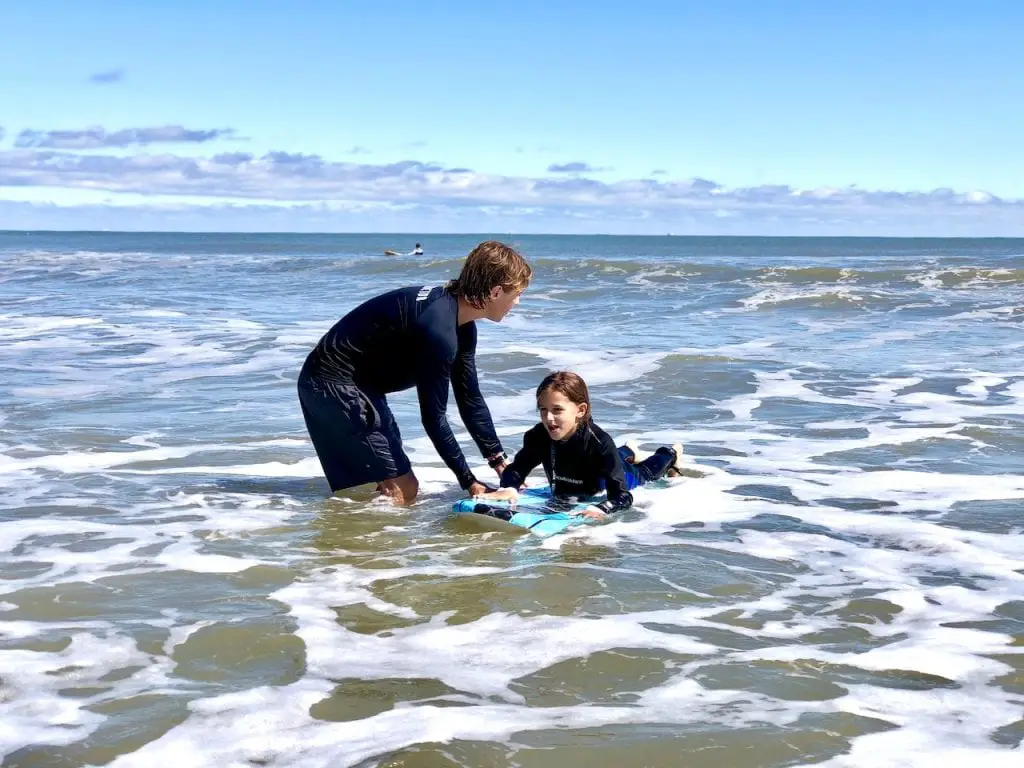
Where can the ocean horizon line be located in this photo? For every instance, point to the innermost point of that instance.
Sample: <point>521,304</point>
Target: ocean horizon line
<point>496,234</point>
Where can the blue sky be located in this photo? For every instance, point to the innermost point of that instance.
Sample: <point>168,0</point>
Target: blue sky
<point>789,117</point>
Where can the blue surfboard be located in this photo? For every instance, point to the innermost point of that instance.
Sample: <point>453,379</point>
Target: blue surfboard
<point>536,511</point>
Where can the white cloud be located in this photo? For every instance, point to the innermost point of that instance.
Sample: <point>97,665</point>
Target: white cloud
<point>978,197</point>
<point>420,193</point>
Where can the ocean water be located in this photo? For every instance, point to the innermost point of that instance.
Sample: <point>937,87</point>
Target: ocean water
<point>839,581</point>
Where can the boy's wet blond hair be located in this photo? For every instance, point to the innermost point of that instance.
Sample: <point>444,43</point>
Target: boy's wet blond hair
<point>489,264</point>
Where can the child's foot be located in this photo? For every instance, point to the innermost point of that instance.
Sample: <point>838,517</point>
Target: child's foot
<point>676,469</point>
<point>634,449</point>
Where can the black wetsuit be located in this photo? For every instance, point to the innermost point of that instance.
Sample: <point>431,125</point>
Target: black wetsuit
<point>409,337</point>
<point>582,465</point>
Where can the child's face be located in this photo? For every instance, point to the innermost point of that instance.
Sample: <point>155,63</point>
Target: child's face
<point>559,415</point>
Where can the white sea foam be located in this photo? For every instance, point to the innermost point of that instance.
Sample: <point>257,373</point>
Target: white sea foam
<point>781,295</point>
<point>14,327</point>
<point>33,709</point>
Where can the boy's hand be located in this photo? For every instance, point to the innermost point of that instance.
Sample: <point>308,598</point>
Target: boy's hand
<point>502,494</point>
<point>477,489</point>
<point>593,513</point>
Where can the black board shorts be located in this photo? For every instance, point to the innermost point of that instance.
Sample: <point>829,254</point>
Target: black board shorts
<point>354,433</point>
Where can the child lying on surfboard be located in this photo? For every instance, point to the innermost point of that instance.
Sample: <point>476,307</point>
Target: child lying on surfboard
<point>579,457</point>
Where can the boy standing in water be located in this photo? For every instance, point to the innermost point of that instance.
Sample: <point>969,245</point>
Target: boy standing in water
<point>423,337</point>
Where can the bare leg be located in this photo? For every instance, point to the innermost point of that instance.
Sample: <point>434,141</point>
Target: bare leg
<point>401,489</point>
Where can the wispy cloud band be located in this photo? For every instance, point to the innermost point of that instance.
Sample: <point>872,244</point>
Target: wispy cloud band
<point>99,138</point>
<point>576,166</point>
<point>283,176</point>
<point>107,76</point>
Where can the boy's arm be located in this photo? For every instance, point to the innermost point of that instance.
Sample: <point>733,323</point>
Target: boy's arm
<point>432,387</point>
<point>470,401</point>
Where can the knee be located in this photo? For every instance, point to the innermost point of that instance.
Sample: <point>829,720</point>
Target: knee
<point>410,488</point>
<point>402,489</point>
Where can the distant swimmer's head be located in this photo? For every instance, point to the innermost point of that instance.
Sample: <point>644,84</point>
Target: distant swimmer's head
<point>492,278</point>
<point>418,245</point>
<point>563,402</point>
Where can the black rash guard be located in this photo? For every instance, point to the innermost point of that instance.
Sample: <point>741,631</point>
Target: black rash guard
<point>411,337</point>
<point>581,465</point>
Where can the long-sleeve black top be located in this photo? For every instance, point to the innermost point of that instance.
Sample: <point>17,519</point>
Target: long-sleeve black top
<point>582,465</point>
<point>411,337</point>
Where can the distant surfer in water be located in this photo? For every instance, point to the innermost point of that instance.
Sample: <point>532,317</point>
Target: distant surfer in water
<point>417,251</point>
<point>423,337</point>
<point>579,457</point>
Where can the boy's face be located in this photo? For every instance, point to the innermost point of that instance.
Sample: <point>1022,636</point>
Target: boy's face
<point>501,301</point>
